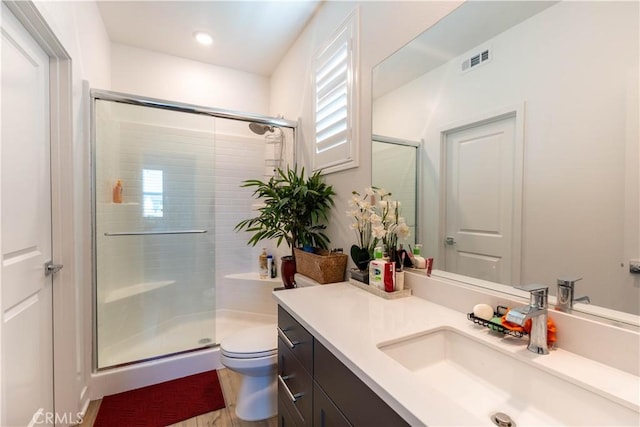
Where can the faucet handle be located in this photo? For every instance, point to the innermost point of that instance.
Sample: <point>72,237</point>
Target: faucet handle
<point>568,281</point>
<point>539,294</point>
<point>532,287</point>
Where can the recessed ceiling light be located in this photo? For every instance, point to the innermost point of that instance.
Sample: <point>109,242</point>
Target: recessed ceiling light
<point>202,37</point>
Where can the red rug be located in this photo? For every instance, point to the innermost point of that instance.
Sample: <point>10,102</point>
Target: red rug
<point>162,404</point>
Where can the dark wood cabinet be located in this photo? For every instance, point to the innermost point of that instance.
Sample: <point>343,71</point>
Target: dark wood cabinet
<point>295,370</point>
<point>359,404</point>
<point>285,418</point>
<point>297,338</point>
<point>316,389</point>
<point>295,385</point>
<point>325,412</point>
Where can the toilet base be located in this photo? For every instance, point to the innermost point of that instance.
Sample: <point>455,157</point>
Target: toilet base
<point>257,398</point>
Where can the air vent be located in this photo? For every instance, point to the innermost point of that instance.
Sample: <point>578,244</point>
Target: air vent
<point>476,60</point>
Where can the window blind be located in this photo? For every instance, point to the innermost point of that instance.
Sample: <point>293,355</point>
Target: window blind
<point>334,106</point>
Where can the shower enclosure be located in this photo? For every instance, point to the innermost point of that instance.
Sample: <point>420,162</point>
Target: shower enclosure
<point>166,197</point>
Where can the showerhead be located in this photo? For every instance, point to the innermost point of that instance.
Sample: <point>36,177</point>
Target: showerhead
<point>259,129</point>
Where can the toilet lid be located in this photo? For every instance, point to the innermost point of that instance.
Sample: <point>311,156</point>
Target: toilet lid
<point>258,341</point>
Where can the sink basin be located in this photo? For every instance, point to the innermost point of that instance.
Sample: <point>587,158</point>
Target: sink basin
<point>484,380</point>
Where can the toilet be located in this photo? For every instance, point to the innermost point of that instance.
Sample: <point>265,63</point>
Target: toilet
<point>253,353</point>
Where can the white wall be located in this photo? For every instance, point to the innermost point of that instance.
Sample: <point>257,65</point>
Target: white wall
<point>78,26</point>
<point>384,27</point>
<point>146,73</point>
<point>571,127</point>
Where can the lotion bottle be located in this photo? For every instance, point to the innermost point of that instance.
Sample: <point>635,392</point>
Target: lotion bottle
<point>117,192</point>
<point>262,264</point>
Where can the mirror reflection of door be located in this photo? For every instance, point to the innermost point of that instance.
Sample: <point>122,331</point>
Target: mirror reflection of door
<point>480,189</point>
<point>394,168</point>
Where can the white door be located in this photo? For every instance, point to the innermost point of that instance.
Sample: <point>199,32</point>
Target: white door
<point>25,234</point>
<point>479,193</point>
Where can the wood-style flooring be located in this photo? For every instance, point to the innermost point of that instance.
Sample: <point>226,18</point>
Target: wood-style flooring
<point>225,417</point>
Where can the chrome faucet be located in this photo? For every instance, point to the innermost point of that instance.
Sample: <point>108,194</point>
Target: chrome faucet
<point>537,312</point>
<point>565,298</point>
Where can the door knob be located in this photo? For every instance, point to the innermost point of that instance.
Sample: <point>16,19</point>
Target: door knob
<point>51,268</point>
<point>449,241</point>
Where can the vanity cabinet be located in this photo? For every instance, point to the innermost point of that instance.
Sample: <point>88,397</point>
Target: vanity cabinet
<point>317,389</point>
<point>295,370</point>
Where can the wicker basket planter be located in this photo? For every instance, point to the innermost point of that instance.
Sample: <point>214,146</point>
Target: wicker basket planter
<point>322,266</point>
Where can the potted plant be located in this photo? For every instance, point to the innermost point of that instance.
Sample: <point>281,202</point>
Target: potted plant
<point>361,211</point>
<point>293,208</point>
<point>375,218</point>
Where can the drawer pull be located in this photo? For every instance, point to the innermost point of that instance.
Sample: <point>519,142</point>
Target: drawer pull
<point>285,338</point>
<point>293,397</point>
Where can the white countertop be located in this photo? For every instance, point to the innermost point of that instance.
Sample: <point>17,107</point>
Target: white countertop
<point>351,323</point>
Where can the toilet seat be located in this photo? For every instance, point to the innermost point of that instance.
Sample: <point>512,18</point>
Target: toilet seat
<point>251,343</point>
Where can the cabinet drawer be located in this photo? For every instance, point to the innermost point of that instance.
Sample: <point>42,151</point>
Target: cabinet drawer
<point>296,338</point>
<point>359,404</point>
<point>325,413</point>
<point>295,385</point>
<point>285,417</point>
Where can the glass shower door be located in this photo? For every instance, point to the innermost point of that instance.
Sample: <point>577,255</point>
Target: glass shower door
<point>155,293</point>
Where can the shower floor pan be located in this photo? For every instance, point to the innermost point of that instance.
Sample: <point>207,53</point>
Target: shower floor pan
<point>181,334</point>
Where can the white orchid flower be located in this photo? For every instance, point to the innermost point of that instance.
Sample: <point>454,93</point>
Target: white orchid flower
<point>403,230</point>
<point>378,231</point>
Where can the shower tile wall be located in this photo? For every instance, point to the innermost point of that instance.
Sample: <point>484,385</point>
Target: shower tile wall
<point>238,159</point>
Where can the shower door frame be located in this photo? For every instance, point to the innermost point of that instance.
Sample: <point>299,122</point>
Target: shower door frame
<point>105,95</point>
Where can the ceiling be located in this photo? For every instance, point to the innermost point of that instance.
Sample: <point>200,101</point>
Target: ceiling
<point>250,36</point>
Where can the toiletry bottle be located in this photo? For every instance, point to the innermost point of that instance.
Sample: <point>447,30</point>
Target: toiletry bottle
<point>389,276</point>
<point>262,263</point>
<point>429,266</point>
<point>399,282</point>
<point>273,272</point>
<point>376,269</point>
<point>117,192</point>
<point>377,252</point>
<point>419,261</point>
<point>269,265</point>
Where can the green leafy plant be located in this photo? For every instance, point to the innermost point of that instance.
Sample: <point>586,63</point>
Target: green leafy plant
<point>294,207</point>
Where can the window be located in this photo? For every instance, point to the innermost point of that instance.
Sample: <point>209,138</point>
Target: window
<point>152,193</point>
<point>335,109</point>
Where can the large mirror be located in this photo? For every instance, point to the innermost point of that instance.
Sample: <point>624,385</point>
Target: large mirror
<point>528,113</point>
